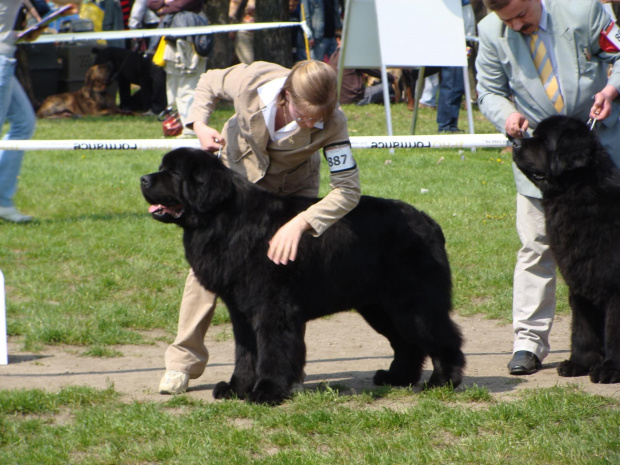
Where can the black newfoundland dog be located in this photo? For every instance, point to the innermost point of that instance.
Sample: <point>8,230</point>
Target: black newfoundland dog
<point>385,259</point>
<point>581,200</point>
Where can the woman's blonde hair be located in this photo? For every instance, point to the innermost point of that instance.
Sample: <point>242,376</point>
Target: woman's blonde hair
<point>312,87</point>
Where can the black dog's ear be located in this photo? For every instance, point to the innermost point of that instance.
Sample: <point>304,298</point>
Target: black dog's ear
<point>570,150</point>
<point>210,184</point>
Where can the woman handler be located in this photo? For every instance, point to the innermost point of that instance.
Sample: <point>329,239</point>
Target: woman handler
<point>282,119</point>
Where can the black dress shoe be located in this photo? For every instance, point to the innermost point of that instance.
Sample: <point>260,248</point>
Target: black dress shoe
<point>524,363</point>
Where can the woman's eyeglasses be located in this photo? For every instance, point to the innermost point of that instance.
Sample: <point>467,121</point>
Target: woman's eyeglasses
<point>301,118</point>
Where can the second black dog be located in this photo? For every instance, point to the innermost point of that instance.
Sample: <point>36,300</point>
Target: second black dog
<point>581,200</point>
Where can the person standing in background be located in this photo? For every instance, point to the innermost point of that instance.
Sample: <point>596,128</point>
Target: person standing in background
<point>244,40</point>
<point>116,18</point>
<point>183,65</point>
<point>452,84</point>
<point>153,82</point>
<point>14,107</point>
<point>323,20</point>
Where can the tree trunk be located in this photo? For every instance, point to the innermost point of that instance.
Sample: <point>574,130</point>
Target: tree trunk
<point>223,49</point>
<point>273,45</point>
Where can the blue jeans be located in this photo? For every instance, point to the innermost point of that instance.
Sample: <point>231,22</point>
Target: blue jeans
<point>323,47</point>
<point>17,109</point>
<point>451,91</point>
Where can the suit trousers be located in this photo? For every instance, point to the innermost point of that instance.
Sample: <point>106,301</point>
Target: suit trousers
<point>534,281</point>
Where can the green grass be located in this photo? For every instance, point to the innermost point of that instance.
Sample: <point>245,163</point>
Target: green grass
<point>95,270</point>
<point>85,426</point>
<point>94,267</point>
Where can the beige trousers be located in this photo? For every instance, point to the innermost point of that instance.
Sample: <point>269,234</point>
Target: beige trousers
<point>534,300</point>
<point>188,352</point>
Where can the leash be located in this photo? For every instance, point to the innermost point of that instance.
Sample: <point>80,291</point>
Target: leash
<point>219,151</point>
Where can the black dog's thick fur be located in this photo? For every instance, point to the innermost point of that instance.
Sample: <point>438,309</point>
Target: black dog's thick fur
<point>385,259</point>
<point>581,200</point>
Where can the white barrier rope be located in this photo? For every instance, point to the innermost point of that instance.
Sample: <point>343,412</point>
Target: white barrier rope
<point>171,31</point>
<point>460,141</point>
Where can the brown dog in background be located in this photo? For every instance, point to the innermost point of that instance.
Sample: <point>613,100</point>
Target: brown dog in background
<point>93,99</point>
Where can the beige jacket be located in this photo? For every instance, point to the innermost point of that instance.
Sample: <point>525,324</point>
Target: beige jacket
<point>289,166</point>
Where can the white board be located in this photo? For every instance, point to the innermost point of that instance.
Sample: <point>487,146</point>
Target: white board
<point>404,33</point>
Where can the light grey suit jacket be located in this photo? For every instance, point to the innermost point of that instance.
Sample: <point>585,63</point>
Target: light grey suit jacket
<point>508,81</point>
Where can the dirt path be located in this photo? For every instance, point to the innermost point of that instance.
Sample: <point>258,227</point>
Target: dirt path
<point>342,349</point>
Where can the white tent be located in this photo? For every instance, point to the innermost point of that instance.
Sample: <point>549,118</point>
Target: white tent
<point>404,34</point>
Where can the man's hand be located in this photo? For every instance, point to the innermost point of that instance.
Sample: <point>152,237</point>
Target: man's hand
<point>283,245</point>
<point>516,125</point>
<point>601,108</point>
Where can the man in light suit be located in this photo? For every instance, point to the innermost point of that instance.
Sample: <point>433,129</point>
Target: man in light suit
<point>512,96</point>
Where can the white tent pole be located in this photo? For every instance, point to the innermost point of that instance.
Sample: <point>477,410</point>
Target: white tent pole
<point>470,114</point>
<point>343,44</point>
<point>386,99</point>
<point>417,93</point>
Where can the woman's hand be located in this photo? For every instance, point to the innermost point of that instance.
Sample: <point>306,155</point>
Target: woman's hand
<point>210,139</point>
<point>283,245</point>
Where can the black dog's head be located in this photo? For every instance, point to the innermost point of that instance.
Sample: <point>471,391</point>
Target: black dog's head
<point>189,184</point>
<point>562,151</point>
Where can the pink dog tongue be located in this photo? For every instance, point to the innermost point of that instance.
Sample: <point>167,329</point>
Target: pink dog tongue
<point>154,208</point>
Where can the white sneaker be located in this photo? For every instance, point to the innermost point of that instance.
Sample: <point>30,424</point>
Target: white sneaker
<point>13,215</point>
<point>298,387</point>
<point>174,382</point>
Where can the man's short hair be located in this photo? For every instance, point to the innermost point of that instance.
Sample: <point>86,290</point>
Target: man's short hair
<point>495,5</point>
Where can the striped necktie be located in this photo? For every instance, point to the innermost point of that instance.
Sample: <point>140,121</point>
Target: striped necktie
<point>545,71</point>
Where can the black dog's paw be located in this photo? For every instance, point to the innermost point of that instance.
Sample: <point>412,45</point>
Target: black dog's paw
<point>381,378</point>
<point>570,369</point>
<point>268,392</point>
<point>607,373</point>
<point>440,379</point>
<point>222,390</point>
<point>388,378</point>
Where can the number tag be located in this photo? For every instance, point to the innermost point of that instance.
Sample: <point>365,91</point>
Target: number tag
<point>339,157</point>
<point>610,38</point>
